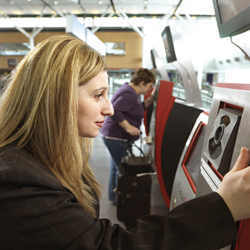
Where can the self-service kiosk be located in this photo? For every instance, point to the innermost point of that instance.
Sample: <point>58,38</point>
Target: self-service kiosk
<point>226,132</point>
<point>212,149</point>
<point>188,169</point>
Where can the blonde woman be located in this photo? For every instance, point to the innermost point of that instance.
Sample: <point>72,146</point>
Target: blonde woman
<point>55,101</point>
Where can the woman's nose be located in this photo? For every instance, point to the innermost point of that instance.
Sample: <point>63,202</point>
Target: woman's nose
<point>108,109</point>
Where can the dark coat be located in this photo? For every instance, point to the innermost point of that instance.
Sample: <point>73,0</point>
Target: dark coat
<point>38,213</point>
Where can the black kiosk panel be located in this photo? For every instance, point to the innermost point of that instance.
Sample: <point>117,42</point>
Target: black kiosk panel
<point>178,127</point>
<point>188,171</point>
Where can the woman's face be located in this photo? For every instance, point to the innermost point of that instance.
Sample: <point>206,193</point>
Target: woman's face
<point>145,88</point>
<point>93,105</point>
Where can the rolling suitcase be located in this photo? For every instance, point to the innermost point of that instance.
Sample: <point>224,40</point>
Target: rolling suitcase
<point>134,187</point>
<point>133,198</point>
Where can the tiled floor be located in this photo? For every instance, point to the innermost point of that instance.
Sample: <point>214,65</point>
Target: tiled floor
<point>100,164</point>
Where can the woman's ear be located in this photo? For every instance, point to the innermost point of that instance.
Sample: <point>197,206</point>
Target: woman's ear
<point>142,83</point>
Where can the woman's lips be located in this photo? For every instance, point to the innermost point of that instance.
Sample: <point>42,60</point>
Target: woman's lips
<point>99,124</point>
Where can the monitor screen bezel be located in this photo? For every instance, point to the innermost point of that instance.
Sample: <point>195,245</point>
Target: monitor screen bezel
<point>236,25</point>
<point>170,43</point>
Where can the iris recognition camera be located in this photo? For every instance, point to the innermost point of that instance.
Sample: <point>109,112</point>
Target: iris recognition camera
<point>222,138</point>
<point>219,146</point>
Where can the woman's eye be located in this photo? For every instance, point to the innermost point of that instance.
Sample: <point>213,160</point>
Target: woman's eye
<point>99,95</point>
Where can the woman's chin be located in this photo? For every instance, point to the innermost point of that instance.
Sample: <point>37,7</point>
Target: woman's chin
<point>90,134</point>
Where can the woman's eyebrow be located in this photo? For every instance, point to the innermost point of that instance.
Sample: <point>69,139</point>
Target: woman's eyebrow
<point>101,88</point>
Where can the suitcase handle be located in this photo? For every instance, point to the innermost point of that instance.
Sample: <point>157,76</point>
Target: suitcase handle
<point>145,174</point>
<point>130,149</point>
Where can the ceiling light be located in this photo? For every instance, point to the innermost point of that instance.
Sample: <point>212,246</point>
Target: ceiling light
<point>76,12</point>
<point>36,12</point>
<point>100,2</point>
<point>12,2</point>
<point>29,0</point>
<point>55,2</point>
<point>17,12</point>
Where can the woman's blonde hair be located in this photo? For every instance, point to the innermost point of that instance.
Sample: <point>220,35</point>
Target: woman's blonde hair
<point>39,111</point>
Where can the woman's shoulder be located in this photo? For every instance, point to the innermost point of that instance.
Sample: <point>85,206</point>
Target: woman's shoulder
<point>126,88</point>
<point>12,155</point>
<point>17,165</point>
<point>125,92</point>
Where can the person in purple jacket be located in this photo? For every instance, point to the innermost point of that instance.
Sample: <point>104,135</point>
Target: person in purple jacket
<point>124,125</point>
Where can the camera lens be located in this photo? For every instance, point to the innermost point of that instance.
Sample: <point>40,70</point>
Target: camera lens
<point>219,133</point>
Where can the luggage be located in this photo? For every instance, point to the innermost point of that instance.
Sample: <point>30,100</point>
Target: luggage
<point>134,187</point>
<point>132,164</point>
<point>133,198</point>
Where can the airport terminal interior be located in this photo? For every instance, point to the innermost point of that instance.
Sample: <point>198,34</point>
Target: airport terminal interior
<point>199,52</point>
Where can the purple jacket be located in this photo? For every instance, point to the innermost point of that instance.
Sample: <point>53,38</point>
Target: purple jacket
<point>127,106</point>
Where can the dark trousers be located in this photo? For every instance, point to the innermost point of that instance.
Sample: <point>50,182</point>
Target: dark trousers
<point>117,150</point>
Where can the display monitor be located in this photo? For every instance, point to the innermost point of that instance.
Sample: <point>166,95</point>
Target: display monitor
<point>232,16</point>
<point>168,44</point>
<point>153,55</point>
